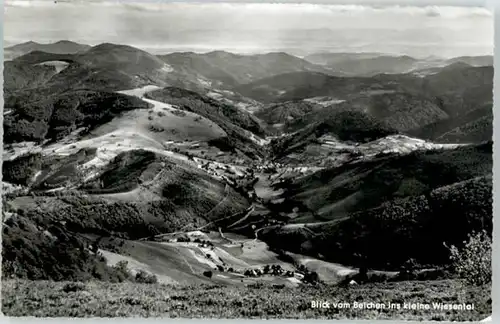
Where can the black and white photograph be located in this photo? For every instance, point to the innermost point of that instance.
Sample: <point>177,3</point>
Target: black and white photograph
<point>247,160</point>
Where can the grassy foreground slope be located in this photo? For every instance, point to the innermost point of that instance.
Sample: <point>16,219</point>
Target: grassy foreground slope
<point>98,299</point>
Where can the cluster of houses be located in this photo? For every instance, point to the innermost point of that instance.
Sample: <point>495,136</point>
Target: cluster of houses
<point>273,270</point>
<point>201,243</point>
<point>269,167</point>
<point>302,273</point>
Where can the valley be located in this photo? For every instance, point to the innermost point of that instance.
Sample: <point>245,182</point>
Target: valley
<point>119,165</point>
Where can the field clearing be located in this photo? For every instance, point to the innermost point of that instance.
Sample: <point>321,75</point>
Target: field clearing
<point>140,92</point>
<point>185,262</point>
<point>401,144</point>
<point>140,194</point>
<point>253,253</point>
<point>324,101</point>
<point>58,65</point>
<point>330,151</point>
<point>98,299</point>
<point>174,262</point>
<point>163,122</point>
<point>133,265</point>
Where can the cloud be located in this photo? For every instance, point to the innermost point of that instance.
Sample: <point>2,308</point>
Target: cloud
<point>20,3</point>
<point>360,6</point>
<point>418,3</point>
<point>432,12</point>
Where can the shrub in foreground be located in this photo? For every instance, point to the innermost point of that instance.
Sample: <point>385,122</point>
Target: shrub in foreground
<point>144,277</point>
<point>73,287</point>
<point>473,261</point>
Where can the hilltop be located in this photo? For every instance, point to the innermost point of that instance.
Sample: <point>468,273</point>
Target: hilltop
<point>105,66</point>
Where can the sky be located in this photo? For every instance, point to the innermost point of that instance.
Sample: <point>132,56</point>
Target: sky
<point>299,28</point>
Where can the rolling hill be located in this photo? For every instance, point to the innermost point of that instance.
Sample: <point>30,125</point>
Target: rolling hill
<point>389,175</point>
<point>408,223</point>
<point>346,125</point>
<point>280,114</point>
<point>306,85</point>
<point>122,57</point>
<point>38,119</point>
<point>475,126</point>
<point>241,127</point>
<point>106,66</point>
<point>104,192</point>
<point>22,76</point>
<point>454,78</point>
<point>400,110</point>
<point>406,194</point>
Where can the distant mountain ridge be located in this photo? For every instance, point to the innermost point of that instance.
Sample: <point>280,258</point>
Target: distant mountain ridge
<point>60,47</point>
<point>370,64</point>
<point>105,66</point>
<point>233,69</point>
<point>455,89</point>
<point>485,60</point>
<point>364,65</point>
<point>447,99</point>
<point>135,67</point>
